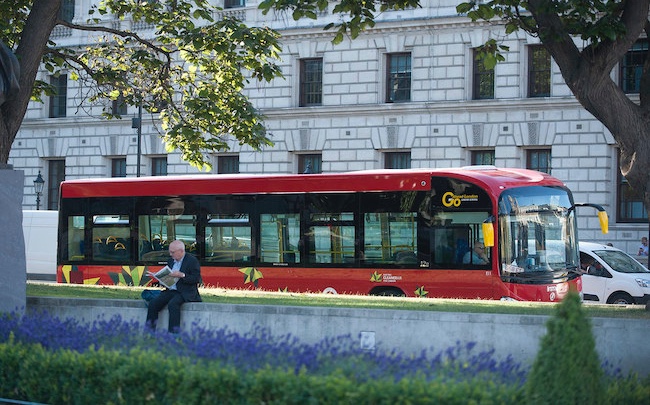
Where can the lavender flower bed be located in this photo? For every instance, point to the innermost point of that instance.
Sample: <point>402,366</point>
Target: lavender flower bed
<point>258,349</point>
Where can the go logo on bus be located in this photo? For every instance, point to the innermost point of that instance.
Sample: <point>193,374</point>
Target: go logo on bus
<point>449,199</point>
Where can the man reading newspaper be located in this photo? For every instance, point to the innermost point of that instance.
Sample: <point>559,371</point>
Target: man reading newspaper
<point>180,278</point>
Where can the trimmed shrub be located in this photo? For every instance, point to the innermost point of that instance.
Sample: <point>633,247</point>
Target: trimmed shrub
<point>46,360</point>
<point>567,369</point>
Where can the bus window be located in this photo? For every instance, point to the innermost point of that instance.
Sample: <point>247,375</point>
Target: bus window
<point>331,238</point>
<point>228,238</point>
<point>450,244</point>
<point>455,234</point>
<point>75,244</point>
<point>280,234</point>
<point>390,237</point>
<point>158,231</point>
<point>111,236</point>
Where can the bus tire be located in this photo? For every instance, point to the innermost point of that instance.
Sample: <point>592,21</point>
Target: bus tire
<point>387,292</point>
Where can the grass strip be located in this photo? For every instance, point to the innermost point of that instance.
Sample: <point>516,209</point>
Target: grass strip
<point>256,297</point>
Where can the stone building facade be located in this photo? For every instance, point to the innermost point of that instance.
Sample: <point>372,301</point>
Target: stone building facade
<point>405,93</point>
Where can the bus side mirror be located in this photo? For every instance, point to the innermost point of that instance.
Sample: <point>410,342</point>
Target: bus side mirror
<point>602,215</point>
<point>488,234</point>
<point>604,221</point>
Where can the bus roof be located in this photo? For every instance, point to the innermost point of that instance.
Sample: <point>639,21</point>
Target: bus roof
<point>488,177</point>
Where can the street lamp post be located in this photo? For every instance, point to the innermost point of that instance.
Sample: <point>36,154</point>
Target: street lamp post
<point>136,123</point>
<point>38,187</point>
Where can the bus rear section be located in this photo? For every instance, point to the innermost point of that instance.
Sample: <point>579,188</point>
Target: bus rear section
<point>415,233</point>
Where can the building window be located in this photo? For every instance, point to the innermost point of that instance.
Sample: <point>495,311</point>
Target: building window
<point>59,98</point>
<point>66,12</point>
<point>310,164</point>
<point>630,202</point>
<point>159,166</point>
<point>118,167</point>
<point>311,82</point>
<point>539,159</point>
<point>397,160</point>
<point>632,67</point>
<point>539,72</point>
<point>398,80</point>
<point>55,175</point>
<point>483,157</point>
<point>234,3</point>
<point>118,106</point>
<point>227,164</point>
<point>483,80</point>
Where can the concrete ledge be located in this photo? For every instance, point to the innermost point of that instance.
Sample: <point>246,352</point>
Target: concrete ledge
<point>619,341</point>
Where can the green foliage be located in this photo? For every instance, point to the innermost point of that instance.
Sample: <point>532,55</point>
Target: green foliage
<point>11,358</point>
<point>629,390</point>
<point>13,15</point>
<point>33,373</point>
<point>138,375</point>
<point>592,21</point>
<point>356,15</point>
<point>567,369</point>
<point>490,53</point>
<point>191,73</point>
<point>194,73</point>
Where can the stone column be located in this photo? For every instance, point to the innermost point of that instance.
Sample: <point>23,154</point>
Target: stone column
<point>13,273</point>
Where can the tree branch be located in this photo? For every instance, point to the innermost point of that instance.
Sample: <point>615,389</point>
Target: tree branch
<point>119,33</point>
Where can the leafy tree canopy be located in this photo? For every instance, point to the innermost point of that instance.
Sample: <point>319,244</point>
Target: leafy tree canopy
<point>357,15</point>
<point>194,69</point>
<point>191,73</point>
<point>587,39</point>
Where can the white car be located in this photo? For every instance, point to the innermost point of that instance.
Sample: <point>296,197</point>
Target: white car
<point>612,276</point>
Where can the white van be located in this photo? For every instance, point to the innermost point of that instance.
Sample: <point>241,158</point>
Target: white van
<point>40,230</point>
<point>612,276</point>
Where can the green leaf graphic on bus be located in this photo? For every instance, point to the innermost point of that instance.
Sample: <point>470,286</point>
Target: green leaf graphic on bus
<point>251,275</point>
<point>130,275</point>
<point>421,292</point>
<point>376,277</point>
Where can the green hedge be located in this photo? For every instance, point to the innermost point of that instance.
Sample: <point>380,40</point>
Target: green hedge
<point>29,372</point>
<point>32,373</point>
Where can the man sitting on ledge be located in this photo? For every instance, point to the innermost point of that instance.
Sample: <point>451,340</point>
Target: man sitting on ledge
<point>187,271</point>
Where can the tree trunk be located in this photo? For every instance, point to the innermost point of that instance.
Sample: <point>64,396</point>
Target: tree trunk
<point>33,44</point>
<point>630,126</point>
<point>588,75</point>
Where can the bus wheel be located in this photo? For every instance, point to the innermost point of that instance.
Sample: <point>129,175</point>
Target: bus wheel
<point>621,299</point>
<point>388,292</point>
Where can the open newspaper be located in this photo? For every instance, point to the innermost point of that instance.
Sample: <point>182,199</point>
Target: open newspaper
<point>164,278</point>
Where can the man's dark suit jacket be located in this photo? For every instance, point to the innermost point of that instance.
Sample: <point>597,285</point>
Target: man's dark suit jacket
<point>188,286</point>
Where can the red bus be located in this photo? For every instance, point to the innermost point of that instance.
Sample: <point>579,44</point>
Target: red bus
<point>381,232</point>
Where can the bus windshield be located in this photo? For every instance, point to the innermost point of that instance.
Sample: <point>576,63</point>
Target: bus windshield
<point>537,231</point>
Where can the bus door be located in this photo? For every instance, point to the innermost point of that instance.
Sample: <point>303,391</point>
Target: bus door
<point>458,210</point>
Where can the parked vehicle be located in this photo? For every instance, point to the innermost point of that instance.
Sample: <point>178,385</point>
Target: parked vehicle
<point>612,276</point>
<point>40,233</point>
